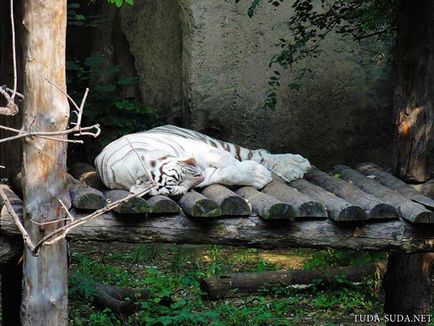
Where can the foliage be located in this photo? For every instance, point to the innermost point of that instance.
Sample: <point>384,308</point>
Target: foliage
<point>170,270</point>
<point>309,24</point>
<point>118,115</point>
<point>119,3</point>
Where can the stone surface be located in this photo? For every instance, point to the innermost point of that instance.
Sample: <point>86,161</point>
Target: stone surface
<point>205,64</point>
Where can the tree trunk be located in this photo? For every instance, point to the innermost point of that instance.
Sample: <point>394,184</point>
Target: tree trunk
<point>407,284</point>
<point>414,92</point>
<point>44,161</point>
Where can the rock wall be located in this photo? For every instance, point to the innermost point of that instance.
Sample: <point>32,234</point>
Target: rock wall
<point>210,60</point>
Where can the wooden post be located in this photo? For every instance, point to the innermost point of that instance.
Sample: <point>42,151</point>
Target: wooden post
<point>413,97</point>
<point>45,281</point>
<point>407,285</point>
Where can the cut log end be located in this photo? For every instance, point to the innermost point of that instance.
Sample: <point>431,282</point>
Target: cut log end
<point>235,206</point>
<point>280,211</point>
<point>312,209</point>
<point>163,205</point>
<point>197,205</point>
<point>383,212</point>
<point>351,214</point>
<point>134,205</point>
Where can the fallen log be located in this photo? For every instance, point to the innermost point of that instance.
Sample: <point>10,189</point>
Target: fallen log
<point>370,169</point>
<point>230,203</point>
<point>160,204</point>
<point>135,205</point>
<point>87,174</point>
<point>338,209</point>
<point>410,210</point>
<point>252,231</point>
<point>238,284</point>
<point>83,196</point>
<point>374,207</point>
<point>303,205</point>
<point>197,205</point>
<point>266,206</point>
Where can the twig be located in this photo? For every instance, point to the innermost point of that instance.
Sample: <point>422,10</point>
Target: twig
<point>141,161</point>
<point>14,54</point>
<point>77,130</point>
<point>62,232</point>
<point>10,209</point>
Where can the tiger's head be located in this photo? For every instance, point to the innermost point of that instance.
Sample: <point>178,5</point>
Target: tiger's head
<point>171,176</point>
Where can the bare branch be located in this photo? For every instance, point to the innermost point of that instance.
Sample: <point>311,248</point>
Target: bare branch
<point>62,232</point>
<point>10,209</point>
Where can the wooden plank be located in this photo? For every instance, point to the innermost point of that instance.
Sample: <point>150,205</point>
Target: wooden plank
<point>252,231</point>
<point>197,205</point>
<point>337,208</point>
<point>390,181</point>
<point>134,205</point>
<point>374,207</point>
<point>230,203</point>
<point>266,206</point>
<point>303,205</point>
<point>160,204</point>
<point>410,211</point>
<point>85,197</point>
<point>86,173</point>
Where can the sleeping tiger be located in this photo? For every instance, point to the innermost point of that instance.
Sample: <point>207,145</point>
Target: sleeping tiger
<point>178,159</point>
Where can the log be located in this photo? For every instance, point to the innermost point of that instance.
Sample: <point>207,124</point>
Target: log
<point>230,203</point>
<point>237,284</point>
<point>160,204</point>
<point>410,211</point>
<point>266,206</point>
<point>86,173</point>
<point>197,205</point>
<point>252,231</point>
<point>374,207</point>
<point>392,182</point>
<point>426,188</point>
<point>338,209</point>
<point>121,300</point>
<point>303,205</point>
<point>134,205</point>
<point>83,196</point>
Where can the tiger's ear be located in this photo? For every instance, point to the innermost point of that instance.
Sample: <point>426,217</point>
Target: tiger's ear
<point>190,161</point>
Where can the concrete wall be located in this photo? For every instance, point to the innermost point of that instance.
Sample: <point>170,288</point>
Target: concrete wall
<point>214,58</point>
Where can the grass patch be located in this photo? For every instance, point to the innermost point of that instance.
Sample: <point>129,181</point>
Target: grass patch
<point>173,271</point>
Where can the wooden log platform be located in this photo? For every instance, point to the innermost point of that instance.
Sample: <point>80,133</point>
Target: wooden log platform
<point>303,205</point>
<point>375,208</point>
<point>410,210</point>
<point>87,174</point>
<point>277,219</point>
<point>266,206</point>
<point>338,209</point>
<point>252,231</point>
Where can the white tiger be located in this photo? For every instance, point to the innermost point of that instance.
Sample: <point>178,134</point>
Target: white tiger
<point>179,159</point>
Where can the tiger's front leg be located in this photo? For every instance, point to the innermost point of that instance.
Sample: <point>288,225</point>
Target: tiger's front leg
<point>245,173</point>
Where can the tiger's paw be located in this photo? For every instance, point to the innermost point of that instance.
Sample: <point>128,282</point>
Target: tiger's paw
<point>288,166</point>
<point>253,174</point>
